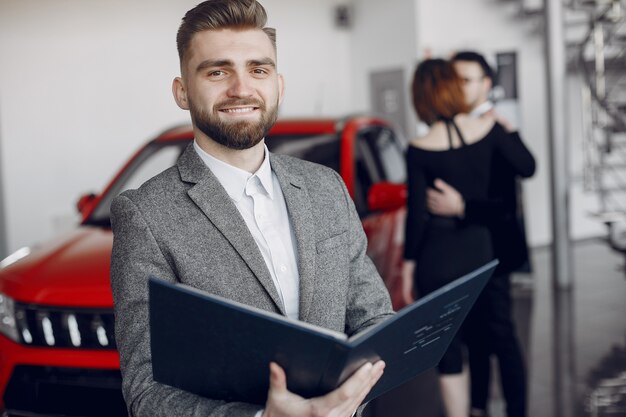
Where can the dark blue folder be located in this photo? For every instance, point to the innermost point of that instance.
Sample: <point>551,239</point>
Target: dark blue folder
<point>221,349</point>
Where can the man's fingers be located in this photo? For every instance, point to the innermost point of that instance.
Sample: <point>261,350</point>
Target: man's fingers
<point>407,297</point>
<point>346,399</point>
<point>278,379</point>
<point>352,387</point>
<point>362,381</point>
<point>433,201</point>
<point>408,269</point>
<point>375,373</point>
<point>432,193</point>
<point>442,185</point>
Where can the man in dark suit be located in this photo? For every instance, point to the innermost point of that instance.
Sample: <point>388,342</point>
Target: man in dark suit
<point>232,219</point>
<point>491,327</point>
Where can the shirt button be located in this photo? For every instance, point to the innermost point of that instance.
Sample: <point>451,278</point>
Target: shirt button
<point>283,268</point>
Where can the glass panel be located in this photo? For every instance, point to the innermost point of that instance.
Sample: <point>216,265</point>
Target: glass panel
<point>321,149</point>
<point>154,164</point>
<point>379,157</point>
<point>154,159</point>
<point>390,155</point>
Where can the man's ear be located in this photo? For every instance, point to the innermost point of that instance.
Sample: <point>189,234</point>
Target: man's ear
<point>180,93</point>
<point>281,88</point>
<point>488,84</point>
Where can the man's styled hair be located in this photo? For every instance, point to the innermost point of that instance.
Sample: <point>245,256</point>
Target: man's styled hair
<point>437,91</point>
<point>471,56</point>
<point>222,14</point>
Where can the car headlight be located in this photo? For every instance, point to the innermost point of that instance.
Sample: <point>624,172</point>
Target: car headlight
<point>15,256</point>
<point>8,326</point>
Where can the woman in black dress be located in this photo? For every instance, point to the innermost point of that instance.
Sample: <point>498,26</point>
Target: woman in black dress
<point>458,150</point>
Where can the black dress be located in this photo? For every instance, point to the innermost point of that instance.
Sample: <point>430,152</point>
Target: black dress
<point>446,248</point>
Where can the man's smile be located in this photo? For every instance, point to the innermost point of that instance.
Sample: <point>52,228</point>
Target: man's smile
<point>239,110</point>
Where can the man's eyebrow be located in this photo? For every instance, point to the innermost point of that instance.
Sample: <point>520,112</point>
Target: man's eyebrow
<point>212,63</point>
<point>263,61</point>
<point>217,63</point>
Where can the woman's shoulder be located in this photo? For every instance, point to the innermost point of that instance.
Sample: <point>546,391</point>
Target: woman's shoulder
<point>434,140</point>
<point>475,128</point>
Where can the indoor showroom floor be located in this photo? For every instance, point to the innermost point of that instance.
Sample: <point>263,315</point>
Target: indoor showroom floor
<point>574,343</point>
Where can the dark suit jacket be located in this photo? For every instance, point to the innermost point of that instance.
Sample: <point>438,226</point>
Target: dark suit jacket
<point>502,213</point>
<point>182,226</point>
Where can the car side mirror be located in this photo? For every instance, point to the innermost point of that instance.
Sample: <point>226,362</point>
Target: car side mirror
<point>85,201</point>
<point>386,196</point>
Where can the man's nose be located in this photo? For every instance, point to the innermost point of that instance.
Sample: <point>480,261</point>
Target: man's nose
<point>240,86</point>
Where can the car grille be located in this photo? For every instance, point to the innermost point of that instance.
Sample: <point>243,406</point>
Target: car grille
<point>61,327</point>
<point>53,391</point>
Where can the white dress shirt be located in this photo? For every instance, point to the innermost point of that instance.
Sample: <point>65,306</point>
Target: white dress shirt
<point>482,108</point>
<point>261,203</point>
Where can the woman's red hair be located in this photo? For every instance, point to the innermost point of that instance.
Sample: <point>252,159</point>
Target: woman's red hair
<point>437,91</point>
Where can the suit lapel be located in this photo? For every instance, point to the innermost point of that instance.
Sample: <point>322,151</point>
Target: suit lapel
<point>211,197</point>
<point>301,215</point>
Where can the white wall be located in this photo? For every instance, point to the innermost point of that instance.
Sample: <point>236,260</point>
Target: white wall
<point>384,37</point>
<point>313,55</point>
<point>84,83</point>
<point>3,243</point>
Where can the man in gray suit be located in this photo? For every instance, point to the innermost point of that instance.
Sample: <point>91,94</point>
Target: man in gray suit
<point>234,220</point>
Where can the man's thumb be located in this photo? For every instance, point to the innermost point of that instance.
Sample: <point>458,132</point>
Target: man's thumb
<point>441,185</point>
<point>278,380</point>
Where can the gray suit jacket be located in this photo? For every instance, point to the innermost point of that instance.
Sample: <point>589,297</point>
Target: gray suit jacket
<point>182,226</point>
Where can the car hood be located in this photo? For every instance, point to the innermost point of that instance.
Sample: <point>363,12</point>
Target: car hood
<point>72,270</point>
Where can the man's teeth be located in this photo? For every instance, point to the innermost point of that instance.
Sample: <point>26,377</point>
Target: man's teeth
<point>239,110</point>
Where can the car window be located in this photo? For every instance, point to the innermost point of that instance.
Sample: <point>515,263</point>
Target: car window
<point>321,149</point>
<point>366,174</point>
<point>155,158</point>
<point>389,156</point>
<point>384,154</point>
<point>378,157</point>
<point>153,164</point>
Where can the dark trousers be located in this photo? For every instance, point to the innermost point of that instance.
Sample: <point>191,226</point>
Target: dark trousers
<point>491,331</point>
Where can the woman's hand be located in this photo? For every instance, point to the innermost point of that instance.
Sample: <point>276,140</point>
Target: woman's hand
<point>445,200</point>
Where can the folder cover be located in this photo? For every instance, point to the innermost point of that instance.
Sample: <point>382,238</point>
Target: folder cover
<point>221,349</point>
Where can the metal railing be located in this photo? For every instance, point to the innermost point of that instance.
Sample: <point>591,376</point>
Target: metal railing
<point>601,59</point>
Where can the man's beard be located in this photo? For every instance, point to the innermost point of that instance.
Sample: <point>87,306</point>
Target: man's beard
<point>237,135</point>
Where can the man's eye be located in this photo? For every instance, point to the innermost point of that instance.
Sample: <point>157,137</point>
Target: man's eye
<point>217,73</point>
<point>260,71</point>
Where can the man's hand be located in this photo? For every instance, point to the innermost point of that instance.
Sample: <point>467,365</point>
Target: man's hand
<point>408,272</point>
<point>445,200</point>
<point>341,402</point>
<point>502,120</point>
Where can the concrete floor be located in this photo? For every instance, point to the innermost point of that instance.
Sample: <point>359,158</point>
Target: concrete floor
<point>574,343</point>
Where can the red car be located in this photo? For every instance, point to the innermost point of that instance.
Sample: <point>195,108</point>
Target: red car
<point>57,346</point>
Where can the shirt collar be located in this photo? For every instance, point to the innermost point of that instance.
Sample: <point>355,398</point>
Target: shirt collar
<point>482,108</point>
<point>234,179</point>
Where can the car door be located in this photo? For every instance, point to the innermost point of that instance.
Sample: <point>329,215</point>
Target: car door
<point>376,180</point>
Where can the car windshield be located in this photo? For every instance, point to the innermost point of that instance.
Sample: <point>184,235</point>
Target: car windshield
<point>322,149</point>
<point>153,159</point>
<point>158,156</point>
